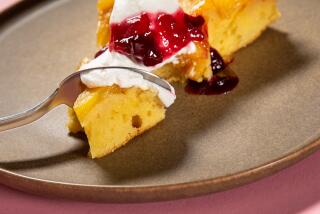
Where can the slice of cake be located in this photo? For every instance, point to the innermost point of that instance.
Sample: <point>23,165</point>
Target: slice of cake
<point>117,105</point>
<point>179,40</point>
<point>233,24</point>
<point>111,116</point>
<point>229,25</point>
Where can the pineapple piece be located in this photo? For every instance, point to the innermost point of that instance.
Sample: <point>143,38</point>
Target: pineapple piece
<point>111,116</point>
<point>104,13</point>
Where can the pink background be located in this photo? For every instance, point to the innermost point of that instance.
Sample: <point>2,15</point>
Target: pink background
<point>294,190</point>
<point>6,3</point>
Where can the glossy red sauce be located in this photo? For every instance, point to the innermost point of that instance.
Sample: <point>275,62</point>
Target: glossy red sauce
<point>149,38</point>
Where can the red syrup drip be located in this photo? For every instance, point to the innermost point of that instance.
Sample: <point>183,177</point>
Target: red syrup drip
<point>222,81</point>
<point>150,38</point>
<point>101,51</point>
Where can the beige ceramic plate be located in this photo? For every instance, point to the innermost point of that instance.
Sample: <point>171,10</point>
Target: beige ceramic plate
<point>206,144</point>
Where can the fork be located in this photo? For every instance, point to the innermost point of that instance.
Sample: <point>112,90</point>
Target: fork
<point>67,92</point>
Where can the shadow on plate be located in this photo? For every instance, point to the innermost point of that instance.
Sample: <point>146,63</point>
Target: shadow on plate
<point>271,58</point>
<point>79,151</point>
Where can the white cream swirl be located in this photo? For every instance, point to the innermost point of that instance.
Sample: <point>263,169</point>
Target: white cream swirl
<point>123,9</point>
<point>122,77</point>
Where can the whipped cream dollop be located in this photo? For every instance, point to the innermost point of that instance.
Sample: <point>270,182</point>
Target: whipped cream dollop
<point>124,78</point>
<point>123,9</point>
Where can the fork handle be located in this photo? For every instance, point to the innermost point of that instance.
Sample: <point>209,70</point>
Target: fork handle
<point>29,116</point>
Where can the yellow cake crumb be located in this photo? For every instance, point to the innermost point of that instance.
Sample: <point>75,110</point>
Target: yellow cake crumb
<point>112,116</point>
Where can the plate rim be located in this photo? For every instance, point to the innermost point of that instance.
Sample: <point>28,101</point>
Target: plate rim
<point>141,193</point>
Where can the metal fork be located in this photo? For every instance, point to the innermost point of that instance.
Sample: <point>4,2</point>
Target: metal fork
<point>67,93</point>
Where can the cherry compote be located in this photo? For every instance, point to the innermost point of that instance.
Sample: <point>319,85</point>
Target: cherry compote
<point>150,38</point>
